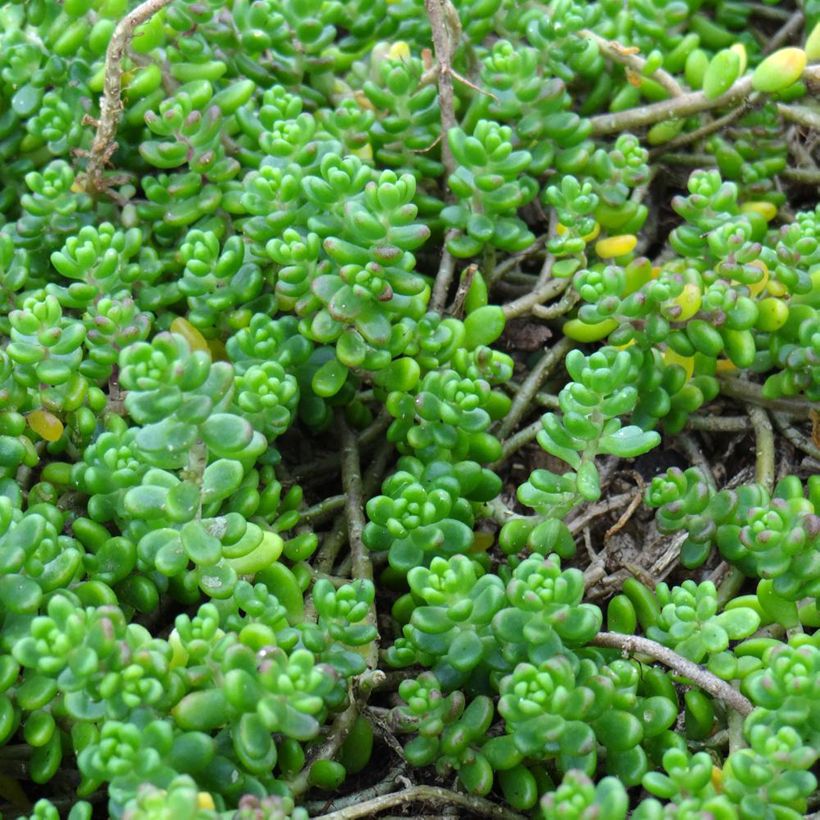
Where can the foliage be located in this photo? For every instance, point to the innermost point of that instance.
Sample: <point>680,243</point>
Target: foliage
<point>254,289</point>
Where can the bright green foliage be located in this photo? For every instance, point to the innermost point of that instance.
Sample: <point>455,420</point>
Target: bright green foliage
<point>774,538</point>
<point>579,798</point>
<point>772,775</point>
<point>406,116</point>
<point>589,426</point>
<point>489,183</point>
<point>785,690</point>
<point>427,510</point>
<point>449,734</point>
<point>690,785</point>
<point>690,624</point>
<point>185,331</point>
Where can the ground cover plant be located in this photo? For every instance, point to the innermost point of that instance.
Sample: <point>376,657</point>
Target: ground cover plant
<point>409,407</point>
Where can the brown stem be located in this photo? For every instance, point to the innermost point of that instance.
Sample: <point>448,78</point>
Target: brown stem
<point>719,424</point>
<point>104,143</point>
<point>446,30</point>
<point>795,438</point>
<point>471,804</point>
<point>753,394</point>
<point>702,677</point>
<point>523,399</point>
<point>630,58</point>
<point>362,568</point>
<point>684,106</point>
<point>764,447</point>
<point>706,129</point>
<point>444,276</point>
<point>340,728</point>
<point>785,32</point>
<point>800,115</point>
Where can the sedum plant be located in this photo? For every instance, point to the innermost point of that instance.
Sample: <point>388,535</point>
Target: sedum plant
<point>289,288</point>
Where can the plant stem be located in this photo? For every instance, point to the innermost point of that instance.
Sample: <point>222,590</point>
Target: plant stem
<point>684,106</point>
<point>705,130</point>
<point>564,305</point>
<point>322,510</point>
<point>764,447</point>
<point>702,677</point>
<point>446,31</point>
<point>730,586</point>
<point>515,442</point>
<point>444,277</point>
<point>327,465</point>
<point>629,57</point>
<point>362,568</point>
<point>735,725</point>
<point>523,398</point>
<point>471,804</point>
<point>339,730</point>
<point>542,292</point>
<point>386,785</point>
<point>801,115</point>
<point>797,440</point>
<point>753,394</point>
<point>718,424</point>
<point>785,33</point>
<point>104,143</point>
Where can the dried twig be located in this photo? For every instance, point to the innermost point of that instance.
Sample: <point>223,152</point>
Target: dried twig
<point>523,398</point>
<point>545,286</point>
<point>104,143</point>
<point>684,106</point>
<point>785,33</point>
<point>470,804</point>
<point>362,568</point>
<point>752,393</point>
<point>629,57</point>
<point>340,728</point>
<point>795,438</point>
<point>446,30</point>
<point>702,677</point>
<point>386,785</point>
<point>719,424</point>
<point>706,129</point>
<point>800,115</point>
<point>764,447</point>
<point>467,277</point>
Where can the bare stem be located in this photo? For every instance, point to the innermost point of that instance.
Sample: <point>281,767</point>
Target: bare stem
<point>323,510</point>
<point>785,32</point>
<point>753,394</point>
<point>702,677</point>
<point>321,467</point>
<point>719,424</point>
<point>471,804</point>
<point>444,277</point>
<point>515,442</point>
<point>446,30</point>
<point>684,106</point>
<point>764,447</point>
<point>523,399</point>
<point>386,785</point>
<point>800,115</point>
<point>706,129</point>
<point>794,436</point>
<point>630,58</point>
<point>339,729</point>
<point>362,568</point>
<point>104,143</point>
